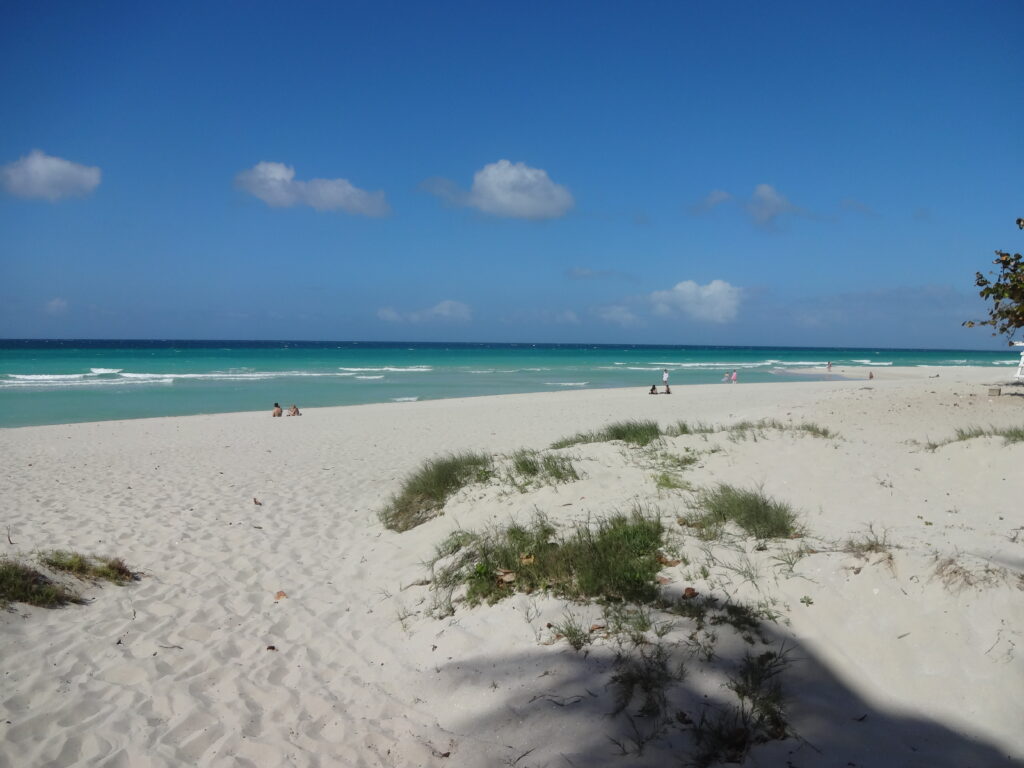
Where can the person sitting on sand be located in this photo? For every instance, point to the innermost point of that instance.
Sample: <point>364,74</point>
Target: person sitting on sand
<point>294,410</point>
<point>277,410</point>
<point>654,389</point>
<point>725,377</point>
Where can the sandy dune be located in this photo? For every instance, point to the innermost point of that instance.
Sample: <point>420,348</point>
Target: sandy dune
<point>909,657</point>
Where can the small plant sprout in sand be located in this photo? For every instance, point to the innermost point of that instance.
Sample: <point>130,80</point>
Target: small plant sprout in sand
<point>573,631</point>
<point>425,491</point>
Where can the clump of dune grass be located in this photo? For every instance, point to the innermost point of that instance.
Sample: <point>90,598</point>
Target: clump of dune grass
<point>689,428</point>
<point>727,735</point>
<point>634,432</point>
<point>425,491</point>
<point>742,430</point>
<point>1009,434</point>
<point>615,558</point>
<point>528,466</point>
<point>112,569</point>
<point>753,511</point>
<point>20,583</point>
<point>869,543</point>
<point>573,631</point>
<point>666,481</point>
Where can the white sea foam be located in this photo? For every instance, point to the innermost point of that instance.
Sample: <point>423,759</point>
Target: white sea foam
<point>101,371</point>
<point>404,399</point>
<point>390,369</point>
<point>871,362</point>
<point>370,377</point>
<point>47,376</point>
<point>566,383</point>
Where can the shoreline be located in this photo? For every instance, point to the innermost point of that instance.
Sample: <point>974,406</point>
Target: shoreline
<point>839,374</point>
<point>175,668</point>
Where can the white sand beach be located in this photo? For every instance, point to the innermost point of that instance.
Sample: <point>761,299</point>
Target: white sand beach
<point>909,655</point>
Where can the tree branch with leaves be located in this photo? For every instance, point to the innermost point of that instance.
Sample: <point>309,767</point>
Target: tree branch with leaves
<point>1006,292</point>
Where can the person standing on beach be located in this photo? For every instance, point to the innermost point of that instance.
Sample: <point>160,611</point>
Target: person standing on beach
<point>664,380</point>
<point>733,377</point>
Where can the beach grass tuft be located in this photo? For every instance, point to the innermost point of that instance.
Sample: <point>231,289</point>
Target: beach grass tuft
<point>112,569</point>
<point>638,432</point>
<point>753,511</point>
<point>615,558</point>
<point>20,583</point>
<point>727,736</point>
<point>528,466</point>
<point>1009,434</point>
<point>869,543</point>
<point>425,491</point>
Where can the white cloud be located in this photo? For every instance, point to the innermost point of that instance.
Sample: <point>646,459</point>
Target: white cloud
<point>512,190</point>
<point>444,311</point>
<point>56,306</point>
<point>716,302</point>
<point>39,175</point>
<point>767,204</point>
<point>567,316</point>
<point>714,198</point>
<point>619,315</point>
<point>275,184</point>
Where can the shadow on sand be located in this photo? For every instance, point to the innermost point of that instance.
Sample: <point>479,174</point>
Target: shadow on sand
<point>551,706</point>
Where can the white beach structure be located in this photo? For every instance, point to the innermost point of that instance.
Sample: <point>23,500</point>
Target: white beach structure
<point>1019,376</point>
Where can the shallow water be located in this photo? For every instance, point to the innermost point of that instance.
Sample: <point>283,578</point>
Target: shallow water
<point>54,382</point>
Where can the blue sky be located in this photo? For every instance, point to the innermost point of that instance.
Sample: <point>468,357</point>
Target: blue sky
<point>686,173</point>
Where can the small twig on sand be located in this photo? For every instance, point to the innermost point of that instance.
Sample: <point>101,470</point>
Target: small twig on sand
<point>9,536</point>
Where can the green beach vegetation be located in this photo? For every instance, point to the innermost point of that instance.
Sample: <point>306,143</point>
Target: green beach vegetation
<point>424,492</point>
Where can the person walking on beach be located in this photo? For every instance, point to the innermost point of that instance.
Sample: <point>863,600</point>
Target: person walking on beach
<point>664,380</point>
<point>733,377</point>
<point>829,366</point>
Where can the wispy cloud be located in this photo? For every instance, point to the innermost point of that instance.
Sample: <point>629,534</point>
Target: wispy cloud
<point>511,190</point>
<point>716,302</point>
<point>618,314</point>
<point>42,176</point>
<point>275,184</point>
<point>713,199</point>
<point>585,273</point>
<point>767,204</point>
<point>445,311</point>
<point>56,306</point>
<point>856,206</point>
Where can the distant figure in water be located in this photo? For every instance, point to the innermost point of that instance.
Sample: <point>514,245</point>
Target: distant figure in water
<point>733,377</point>
<point>277,410</point>
<point>294,410</point>
<point>829,366</point>
<point>654,389</point>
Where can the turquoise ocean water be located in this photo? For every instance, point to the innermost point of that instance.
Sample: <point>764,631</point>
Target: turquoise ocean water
<point>55,382</point>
